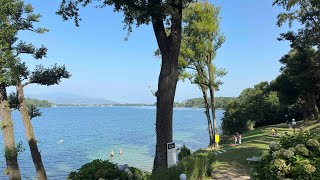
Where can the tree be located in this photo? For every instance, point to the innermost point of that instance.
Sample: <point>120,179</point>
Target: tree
<point>7,11</point>
<point>300,69</point>
<point>23,20</point>
<point>166,19</point>
<point>255,107</point>
<point>200,41</point>
<point>305,12</point>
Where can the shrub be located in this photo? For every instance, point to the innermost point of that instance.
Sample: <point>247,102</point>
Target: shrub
<point>196,166</point>
<point>184,152</point>
<point>295,157</point>
<point>97,169</point>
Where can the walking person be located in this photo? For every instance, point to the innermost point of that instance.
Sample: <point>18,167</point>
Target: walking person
<point>235,139</point>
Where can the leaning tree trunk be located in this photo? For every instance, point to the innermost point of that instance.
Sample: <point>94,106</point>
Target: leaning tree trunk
<point>168,78</point>
<point>11,153</point>
<point>35,154</point>
<point>207,112</point>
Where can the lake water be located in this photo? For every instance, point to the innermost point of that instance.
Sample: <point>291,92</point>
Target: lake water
<point>92,132</point>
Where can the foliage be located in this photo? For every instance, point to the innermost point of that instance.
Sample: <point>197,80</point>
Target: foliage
<point>294,93</point>
<point>32,105</point>
<point>38,103</point>
<point>221,102</point>
<point>49,76</point>
<point>305,12</point>
<point>135,12</point>
<point>299,82</point>
<point>258,106</point>
<point>295,157</point>
<point>9,153</point>
<point>201,40</point>
<point>34,111</point>
<point>196,166</point>
<point>97,169</point>
<point>184,152</point>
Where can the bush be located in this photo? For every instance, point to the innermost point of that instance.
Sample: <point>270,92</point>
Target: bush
<point>295,157</point>
<point>184,152</point>
<point>104,169</point>
<point>196,166</point>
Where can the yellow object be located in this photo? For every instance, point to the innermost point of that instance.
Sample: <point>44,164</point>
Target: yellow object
<point>217,138</point>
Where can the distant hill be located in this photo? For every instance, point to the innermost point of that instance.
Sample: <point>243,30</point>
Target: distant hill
<point>68,98</point>
<point>38,103</point>
<point>221,102</point>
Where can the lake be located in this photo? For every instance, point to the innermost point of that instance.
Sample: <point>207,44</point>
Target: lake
<point>93,132</point>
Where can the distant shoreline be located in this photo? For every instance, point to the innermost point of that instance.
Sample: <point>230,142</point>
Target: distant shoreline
<point>119,105</point>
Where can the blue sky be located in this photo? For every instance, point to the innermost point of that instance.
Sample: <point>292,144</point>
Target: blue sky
<point>103,65</point>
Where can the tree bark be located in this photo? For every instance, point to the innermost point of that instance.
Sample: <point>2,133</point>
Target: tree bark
<point>207,112</point>
<point>168,78</point>
<point>315,105</point>
<point>11,153</point>
<point>35,154</point>
<point>212,97</point>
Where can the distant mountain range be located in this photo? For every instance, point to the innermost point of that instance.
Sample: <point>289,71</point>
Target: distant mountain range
<point>68,98</point>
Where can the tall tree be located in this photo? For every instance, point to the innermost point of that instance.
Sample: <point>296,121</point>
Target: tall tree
<point>23,19</point>
<point>306,12</point>
<point>166,19</point>
<point>7,32</point>
<point>307,37</point>
<point>200,41</point>
<point>301,67</point>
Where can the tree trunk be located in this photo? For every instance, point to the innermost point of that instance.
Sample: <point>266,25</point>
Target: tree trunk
<point>35,154</point>
<point>212,98</point>
<point>207,112</point>
<point>213,111</point>
<point>165,98</point>
<point>11,153</point>
<point>315,105</point>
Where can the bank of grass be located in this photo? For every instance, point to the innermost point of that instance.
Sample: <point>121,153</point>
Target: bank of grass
<point>253,143</point>
<point>204,164</point>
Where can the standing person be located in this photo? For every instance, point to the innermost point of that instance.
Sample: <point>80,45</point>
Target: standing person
<point>239,137</point>
<point>235,139</point>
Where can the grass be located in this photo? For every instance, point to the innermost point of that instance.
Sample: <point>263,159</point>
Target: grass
<point>204,164</point>
<point>253,143</point>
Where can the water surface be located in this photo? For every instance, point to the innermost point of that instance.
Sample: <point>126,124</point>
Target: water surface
<point>92,132</point>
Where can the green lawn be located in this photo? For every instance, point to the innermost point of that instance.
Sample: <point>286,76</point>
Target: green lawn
<point>232,163</point>
<point>253,143</point>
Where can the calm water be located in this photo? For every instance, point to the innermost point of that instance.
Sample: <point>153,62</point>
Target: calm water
<point>92,132</point>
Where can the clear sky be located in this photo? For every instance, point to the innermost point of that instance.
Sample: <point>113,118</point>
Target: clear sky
<point>103,65</point>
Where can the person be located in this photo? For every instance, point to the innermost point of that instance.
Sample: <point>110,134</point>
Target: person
<point>112,153</point>
<point>120,152</point>
<point>239,137</point>
<point>273,131</point>
<point>235,138</point>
